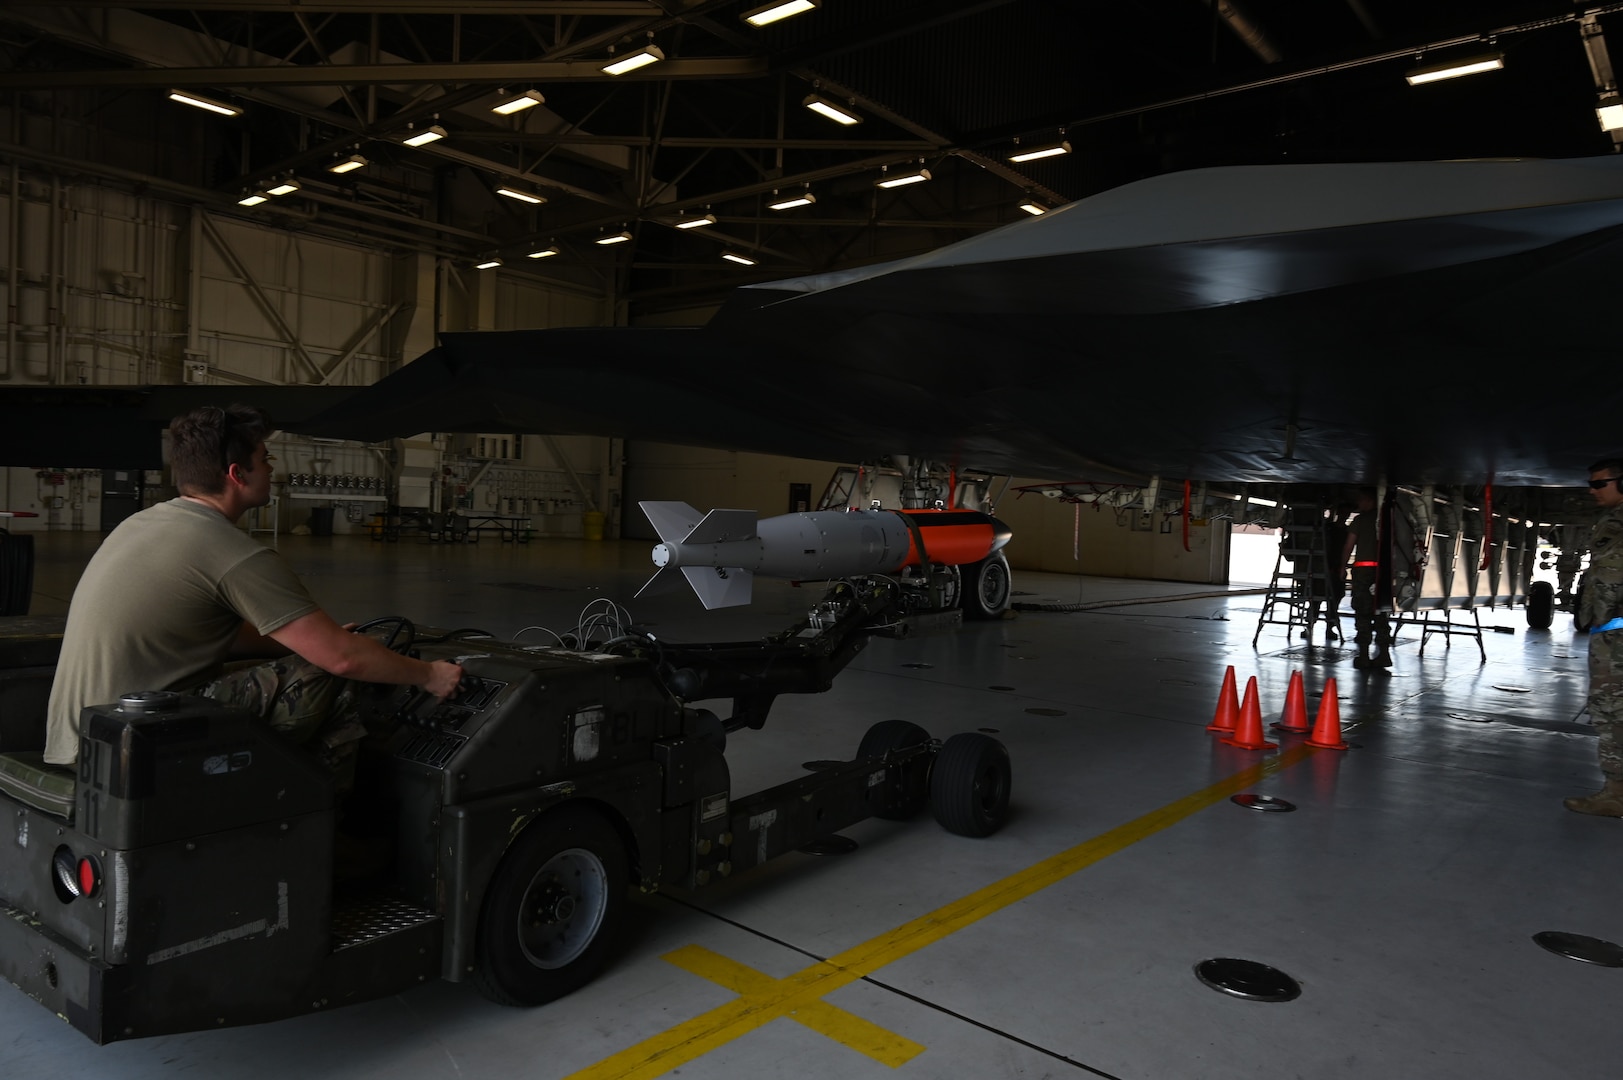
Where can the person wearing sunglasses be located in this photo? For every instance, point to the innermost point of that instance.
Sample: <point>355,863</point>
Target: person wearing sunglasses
<point>177,591</point>
<point>1601,609</point>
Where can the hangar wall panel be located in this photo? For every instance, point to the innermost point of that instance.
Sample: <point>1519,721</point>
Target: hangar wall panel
<point>713,479</point>
<point>1050,535</point>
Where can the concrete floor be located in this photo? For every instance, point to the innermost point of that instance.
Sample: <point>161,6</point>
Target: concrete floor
<point>1402,894</point>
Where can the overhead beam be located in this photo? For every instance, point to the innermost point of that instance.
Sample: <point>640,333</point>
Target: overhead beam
<point>494,74</point>
<point>701,142</point>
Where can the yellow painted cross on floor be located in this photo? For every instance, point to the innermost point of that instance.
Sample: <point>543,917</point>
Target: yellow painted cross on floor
<point>799,997</point>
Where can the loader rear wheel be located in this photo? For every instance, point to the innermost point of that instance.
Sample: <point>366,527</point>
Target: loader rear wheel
<point>906,787</point>
<point>970,783</point>
<point>987,587</point>
<point>553,909</point>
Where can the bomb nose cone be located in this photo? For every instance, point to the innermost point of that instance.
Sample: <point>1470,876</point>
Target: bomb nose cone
<point>1001,533</point>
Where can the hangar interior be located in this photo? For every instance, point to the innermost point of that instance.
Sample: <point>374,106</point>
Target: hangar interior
<point>350,179</point>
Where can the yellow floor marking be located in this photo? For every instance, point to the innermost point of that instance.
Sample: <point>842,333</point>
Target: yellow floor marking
<point>865,1037</point>
<point>761,1003</point>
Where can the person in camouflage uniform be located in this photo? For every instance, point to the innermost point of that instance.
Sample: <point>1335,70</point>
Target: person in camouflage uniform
<point>1602,612</point>
<point>1369,619</point>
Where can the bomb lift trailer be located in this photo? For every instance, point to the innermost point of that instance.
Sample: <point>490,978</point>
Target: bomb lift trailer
<point>191,875</point>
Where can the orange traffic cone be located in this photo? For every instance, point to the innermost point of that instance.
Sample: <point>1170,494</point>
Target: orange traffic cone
<point>1248,735</point>
<point>1327,725</point>
<point>1294,717</point>
<point>1228,706</point>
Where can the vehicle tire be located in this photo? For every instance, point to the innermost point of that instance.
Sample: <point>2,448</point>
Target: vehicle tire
<point>16,572</point>
<point>907,789</point>
<point>553,908</point>
<point>1540,605</point>
<point>969,785</point>
<point>987,587</point>
<point>1579,623</point>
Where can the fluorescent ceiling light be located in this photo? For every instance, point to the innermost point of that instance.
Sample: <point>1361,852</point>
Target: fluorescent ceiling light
<point>488,264</point>
<point>789,202</point>
<point>695,222</point>
<point>527,100</point>
<point>648,54</point>
<point>614,238</point>
<point>253,200</point>
<point>1471,65</point>
<point>741,260</point>
<point>1610,117</point>
<point>286,187</point>
<point>1035,209</point>
<point>521,196</point>
<point>544,253</point>
<point>432,133</point>
<point>1036,153</point>
<point>198,101</point>
<point>349,164</point>
<point>822,106</point>
<point>782,9</point>
<point>914,176</point>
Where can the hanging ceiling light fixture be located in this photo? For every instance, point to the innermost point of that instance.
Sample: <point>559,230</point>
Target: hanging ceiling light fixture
<point>789,202</point>
<point>735,257</point>
<point>1034,208</point>
<point>834,111</point>
<point>285,187</point>
<point>349,164</point>
<point>1609,112</point>
<point>489,264</point>
<point>694,222</point>
<point>527,100</point>
<point>543,253</point>
<point>1037,153</point>
<point>613,238</point>
<point>431,133</point>
<point>780,9</point>
<point>521,196</point>
<point>253,199</point>
<point>198,101</point>
<point>648,54</point>
<point>1453,69</point>
<point>902,179</point>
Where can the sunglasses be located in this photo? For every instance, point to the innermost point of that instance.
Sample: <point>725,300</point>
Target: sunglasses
<point>1598,484</point>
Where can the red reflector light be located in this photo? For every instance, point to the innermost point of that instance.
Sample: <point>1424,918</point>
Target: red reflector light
<point>89,877</point>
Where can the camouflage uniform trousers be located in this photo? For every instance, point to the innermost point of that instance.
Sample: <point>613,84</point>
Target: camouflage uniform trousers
<point>1369,622</point>
<point>1606,699</point>
<point>301,702</point>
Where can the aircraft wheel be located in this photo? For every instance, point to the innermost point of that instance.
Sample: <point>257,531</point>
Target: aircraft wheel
<point>1540,605</point>
<point>969,785</point>
<point>553,909</point>
<point>906,787</point>
<point>16,572</point>
<point>987,587</point>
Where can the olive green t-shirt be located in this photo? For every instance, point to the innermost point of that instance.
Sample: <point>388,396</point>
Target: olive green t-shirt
<point>158,608</point>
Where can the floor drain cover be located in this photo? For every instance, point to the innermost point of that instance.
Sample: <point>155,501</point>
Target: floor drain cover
<point>1046,712</point>
<point>830,845</point>
<point>1247,979</point>
<point>1513,689</point>
<point>1000,688</point>
<point>1266,803</point>
<point>919,665</point>
<point>1588,949</point>
<point>818,766</point>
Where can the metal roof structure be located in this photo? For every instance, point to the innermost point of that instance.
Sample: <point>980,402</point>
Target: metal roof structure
<point>719,125</point>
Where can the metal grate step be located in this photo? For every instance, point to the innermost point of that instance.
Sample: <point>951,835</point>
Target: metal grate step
<point>359,920</point>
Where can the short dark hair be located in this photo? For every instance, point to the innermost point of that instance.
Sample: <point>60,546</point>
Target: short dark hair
<point>1613,465</point>
<point>206,442</point>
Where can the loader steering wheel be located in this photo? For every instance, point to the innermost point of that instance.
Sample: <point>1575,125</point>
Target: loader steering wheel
<point>401,626</point>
